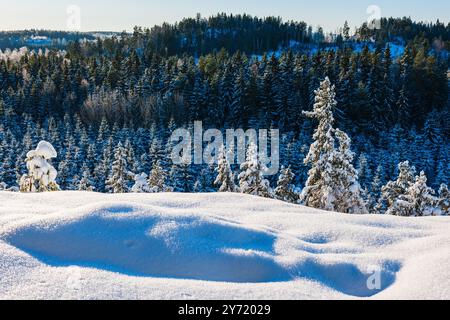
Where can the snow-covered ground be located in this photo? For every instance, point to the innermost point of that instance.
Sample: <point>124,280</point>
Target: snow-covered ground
<point>75,245</point>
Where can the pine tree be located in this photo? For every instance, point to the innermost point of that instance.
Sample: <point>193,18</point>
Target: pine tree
<point>332,181</point>
<point>225,176</point>
<point>120,176</point>
<point>285,189</point>
<point>182,178</point>
<point>86,183</point>
<point>444,200</point>
<point>251,179</point>
<point>316,192</point>
<point>418,200</point>
<point>157,179</point>
<point>346,178</point>
<point>346,32</point>
<point>391,192</point>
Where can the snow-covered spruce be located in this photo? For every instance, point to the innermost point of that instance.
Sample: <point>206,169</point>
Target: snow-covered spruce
<point>251,179</point>
<point>418,200</point>
<point>225,176</point>
<point>332,181</point>
<point>392,191</point>
<point>41,175</point>
<point>285,189</point>
<point>444,200</point>
<point>120,176</point>
<point>157,179</point>
<point>86,183</point>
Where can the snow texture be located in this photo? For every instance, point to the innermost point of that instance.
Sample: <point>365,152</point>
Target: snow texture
<point>81,245</point>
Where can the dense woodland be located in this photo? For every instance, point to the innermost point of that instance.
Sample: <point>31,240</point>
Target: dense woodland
<point>135,89</point>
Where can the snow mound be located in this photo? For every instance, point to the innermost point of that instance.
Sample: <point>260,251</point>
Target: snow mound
<point>212,246</point>
<point>140,241</point>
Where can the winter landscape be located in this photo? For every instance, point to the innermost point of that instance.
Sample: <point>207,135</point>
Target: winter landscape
<point>228,157</point>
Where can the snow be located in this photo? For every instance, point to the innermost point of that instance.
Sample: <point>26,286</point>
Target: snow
<point>81,245</point>
<point>45,150</point>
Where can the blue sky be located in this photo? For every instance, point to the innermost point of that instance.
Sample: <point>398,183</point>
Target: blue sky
<point>116,15</point>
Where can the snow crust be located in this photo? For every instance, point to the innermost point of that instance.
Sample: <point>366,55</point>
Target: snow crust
<point>81,245</point>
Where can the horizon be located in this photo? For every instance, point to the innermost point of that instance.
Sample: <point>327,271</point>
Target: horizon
<point>113,16</point>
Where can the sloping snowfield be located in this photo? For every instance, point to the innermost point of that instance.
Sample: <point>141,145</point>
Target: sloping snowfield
<point>77,245</point>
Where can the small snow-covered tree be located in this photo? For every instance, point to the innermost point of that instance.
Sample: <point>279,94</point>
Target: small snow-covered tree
<point>140,184</point>
<point>120,176</point>
<point>3,186</point>
<point>285,186</point>
<point>86,183</point>
<point>41,175</point>
<point>350,195</point>
<point>418,201</point>
<point>225,176</point>
<point>391,192</point>
<point>251,179</point>
<point>444,200</point>
<point>157,179</point>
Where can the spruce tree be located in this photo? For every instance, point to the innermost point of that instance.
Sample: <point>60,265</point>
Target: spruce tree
<point>285,189</point>
<point>225,176</point>
<point>418,200</point>
<point>251,179</point>
<point>120,176</point>
<point>86,183</point>
<point>157,179</point>
<point>394,189</point>
<point>444,200</point>
<point>332,181</point>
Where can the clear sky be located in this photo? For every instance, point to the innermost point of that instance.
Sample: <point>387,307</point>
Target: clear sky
<point>116,15</point>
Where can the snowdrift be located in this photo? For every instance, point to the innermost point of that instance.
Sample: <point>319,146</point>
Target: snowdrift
<point>86,245</point>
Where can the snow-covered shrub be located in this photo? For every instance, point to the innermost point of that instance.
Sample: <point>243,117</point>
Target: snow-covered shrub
<point>41,175</point>
<point>3,186</point>
<point>140,184</point>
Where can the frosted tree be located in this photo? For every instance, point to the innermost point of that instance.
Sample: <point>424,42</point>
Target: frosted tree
<point>86,183</point>
<point>157,179</point>
<point>181,178</point>
<point>418,200</point>
<point>391,192</point>
<point>349,195</point>
<point>317,192</point>
<point>120,176</point>
<point>251,179</point>
<point>140,184</point>
<point>444,200</point>
<point>206,178</point>
<point>41,175</point>
<point>332,181</point>
<point>285,189</point>
<point>3,186</point>
<point>225,176</point>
